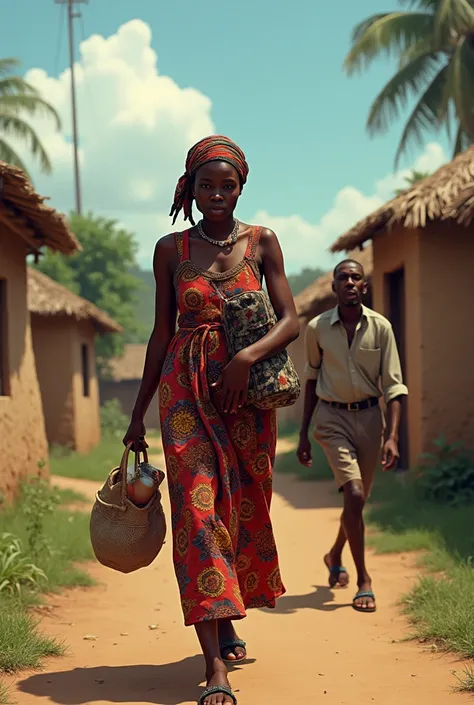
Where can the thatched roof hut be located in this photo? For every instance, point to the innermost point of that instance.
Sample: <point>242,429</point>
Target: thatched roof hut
<point>130,365</point>
<point>48,298</point>
<point>24,212</point>
<point>445,195</point>
<point>318,296</point>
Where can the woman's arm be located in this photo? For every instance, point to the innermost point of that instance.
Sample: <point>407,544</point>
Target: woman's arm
<point>164,261</point>
<point>235,378</point>
<point>287,329</point>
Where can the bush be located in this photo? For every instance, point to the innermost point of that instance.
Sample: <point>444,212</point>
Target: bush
<point>38,500</point>
<point>446,476</point>
<point>16,569</point>
<point>113,421</point>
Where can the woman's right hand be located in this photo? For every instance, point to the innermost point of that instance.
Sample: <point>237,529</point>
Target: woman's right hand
<point>136,435</point>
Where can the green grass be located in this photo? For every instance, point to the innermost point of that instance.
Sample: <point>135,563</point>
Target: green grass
<point>465,680</point>
<point>441,604</point>
<point>95,465</point>
<point>22,645</point>
<point>4,695</point>
<point>68,496</point>
<point>67,534</point>
<point>65,543</point>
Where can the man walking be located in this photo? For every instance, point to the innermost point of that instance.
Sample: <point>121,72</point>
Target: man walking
<point>352,359</point>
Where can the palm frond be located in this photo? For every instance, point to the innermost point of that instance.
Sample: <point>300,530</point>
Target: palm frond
<point>31,104</point>
<point>8,155</point>
<point>426,113</point>
<point>461,84</point>
<point>463,141</point>
<point>8,65</point>
<point>386,34</point>
<point>394,96</point>
<point>14,85</point>
<point>14,126</point>
<point>453,16</point>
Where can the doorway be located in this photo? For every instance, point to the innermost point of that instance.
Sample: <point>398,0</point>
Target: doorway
<point>395,287</point>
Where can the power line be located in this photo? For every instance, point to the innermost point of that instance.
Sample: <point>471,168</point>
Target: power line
<point>72,15</point>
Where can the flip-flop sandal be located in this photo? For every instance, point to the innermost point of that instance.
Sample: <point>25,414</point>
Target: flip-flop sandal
<point>232,644</point>
<point>214,690</point>
<point>367,593</point>
<point>334,573</point>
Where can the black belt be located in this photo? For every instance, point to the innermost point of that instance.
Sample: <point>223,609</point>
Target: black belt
<point>355,405</point>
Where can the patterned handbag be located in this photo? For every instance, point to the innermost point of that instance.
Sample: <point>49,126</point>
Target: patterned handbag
<point>247,317</point>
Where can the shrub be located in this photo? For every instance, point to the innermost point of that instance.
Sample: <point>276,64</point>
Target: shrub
<point>38,500</point>
<point>446,476</point>
<point>112,419</point>
<point>16,569</point>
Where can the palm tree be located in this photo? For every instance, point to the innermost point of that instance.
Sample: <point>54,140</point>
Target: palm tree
<point>18,98</point>
<point>434,44</point>
<point>411,179</point>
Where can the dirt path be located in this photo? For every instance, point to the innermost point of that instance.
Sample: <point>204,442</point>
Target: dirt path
<point>314,648</point>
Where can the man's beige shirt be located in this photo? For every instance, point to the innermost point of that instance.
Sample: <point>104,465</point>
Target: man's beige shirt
<point>369,368</point>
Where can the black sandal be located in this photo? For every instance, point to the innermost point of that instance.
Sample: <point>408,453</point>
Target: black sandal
<point>214,690</point>
<point>231,644</point>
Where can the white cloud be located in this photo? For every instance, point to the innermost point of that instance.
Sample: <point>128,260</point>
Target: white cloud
<point>136,125</point>
<point>306,244</point>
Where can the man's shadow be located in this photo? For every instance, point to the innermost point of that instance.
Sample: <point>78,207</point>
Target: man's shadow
<point>165,684</point>
<point>321,599</point>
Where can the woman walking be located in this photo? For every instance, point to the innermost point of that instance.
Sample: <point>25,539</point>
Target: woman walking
<point>219,450</point>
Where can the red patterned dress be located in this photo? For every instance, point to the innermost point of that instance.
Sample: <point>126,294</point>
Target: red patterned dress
<point>219,466</point>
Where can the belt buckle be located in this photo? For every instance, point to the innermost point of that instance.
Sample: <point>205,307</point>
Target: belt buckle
<point>353,406</point>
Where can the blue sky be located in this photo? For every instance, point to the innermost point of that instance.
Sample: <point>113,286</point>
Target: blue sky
<point>275,80</point>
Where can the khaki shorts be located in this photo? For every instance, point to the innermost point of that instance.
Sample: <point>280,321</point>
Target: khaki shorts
<point>352,442</point>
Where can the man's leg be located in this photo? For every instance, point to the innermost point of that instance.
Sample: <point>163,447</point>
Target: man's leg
<point>368,432</point>
<point>353,523</point>
<point>333,560</point>
<point>333,431</point>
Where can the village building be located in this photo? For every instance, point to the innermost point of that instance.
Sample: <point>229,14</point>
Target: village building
<point>64,327</point>
<point>423,258</point>
<point>26,224</point>
<point>124,382</point>
<point>315,299</point>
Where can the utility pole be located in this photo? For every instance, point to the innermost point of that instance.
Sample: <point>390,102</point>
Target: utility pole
<point>72,15</point>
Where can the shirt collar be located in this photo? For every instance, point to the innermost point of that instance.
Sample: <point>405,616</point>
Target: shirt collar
<point>335,314</point>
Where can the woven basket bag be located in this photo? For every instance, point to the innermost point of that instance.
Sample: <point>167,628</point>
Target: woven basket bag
<point>123,536</point>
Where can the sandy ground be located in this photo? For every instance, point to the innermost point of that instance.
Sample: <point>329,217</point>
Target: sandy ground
<point>127,642</point>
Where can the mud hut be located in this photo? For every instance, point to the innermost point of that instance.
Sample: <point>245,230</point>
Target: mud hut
<point>26,225</point>
<point>64,327</point>
<point>124,383</point>
<point>423,249</point>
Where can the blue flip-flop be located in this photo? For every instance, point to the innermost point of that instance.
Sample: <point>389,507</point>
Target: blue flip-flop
<point>364,593</point>
<point>334,573</point>
<point>214,690</point>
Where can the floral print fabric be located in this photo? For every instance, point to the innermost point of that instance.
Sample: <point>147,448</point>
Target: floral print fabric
<point>219,466</point>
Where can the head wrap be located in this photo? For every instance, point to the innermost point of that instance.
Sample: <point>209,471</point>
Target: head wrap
<point>214,148</point>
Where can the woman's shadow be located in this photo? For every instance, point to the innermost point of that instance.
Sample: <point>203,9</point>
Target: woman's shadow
<point>166,684</point>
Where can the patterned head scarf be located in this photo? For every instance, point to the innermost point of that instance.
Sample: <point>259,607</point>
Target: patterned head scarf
<point>214,148</point>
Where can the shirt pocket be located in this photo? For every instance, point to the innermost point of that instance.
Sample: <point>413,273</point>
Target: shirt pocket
<point>369,360</point>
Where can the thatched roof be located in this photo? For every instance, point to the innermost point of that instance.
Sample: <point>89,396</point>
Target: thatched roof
<point>318,296</point>
<point>130,366</point>
<point>24,212</point>
<point>48,298</point>
<point>436,197</point>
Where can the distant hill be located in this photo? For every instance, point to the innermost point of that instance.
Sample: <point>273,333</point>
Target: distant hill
<point>145,308</point>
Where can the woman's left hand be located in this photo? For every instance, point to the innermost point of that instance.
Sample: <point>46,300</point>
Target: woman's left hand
<point>234,383</point>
